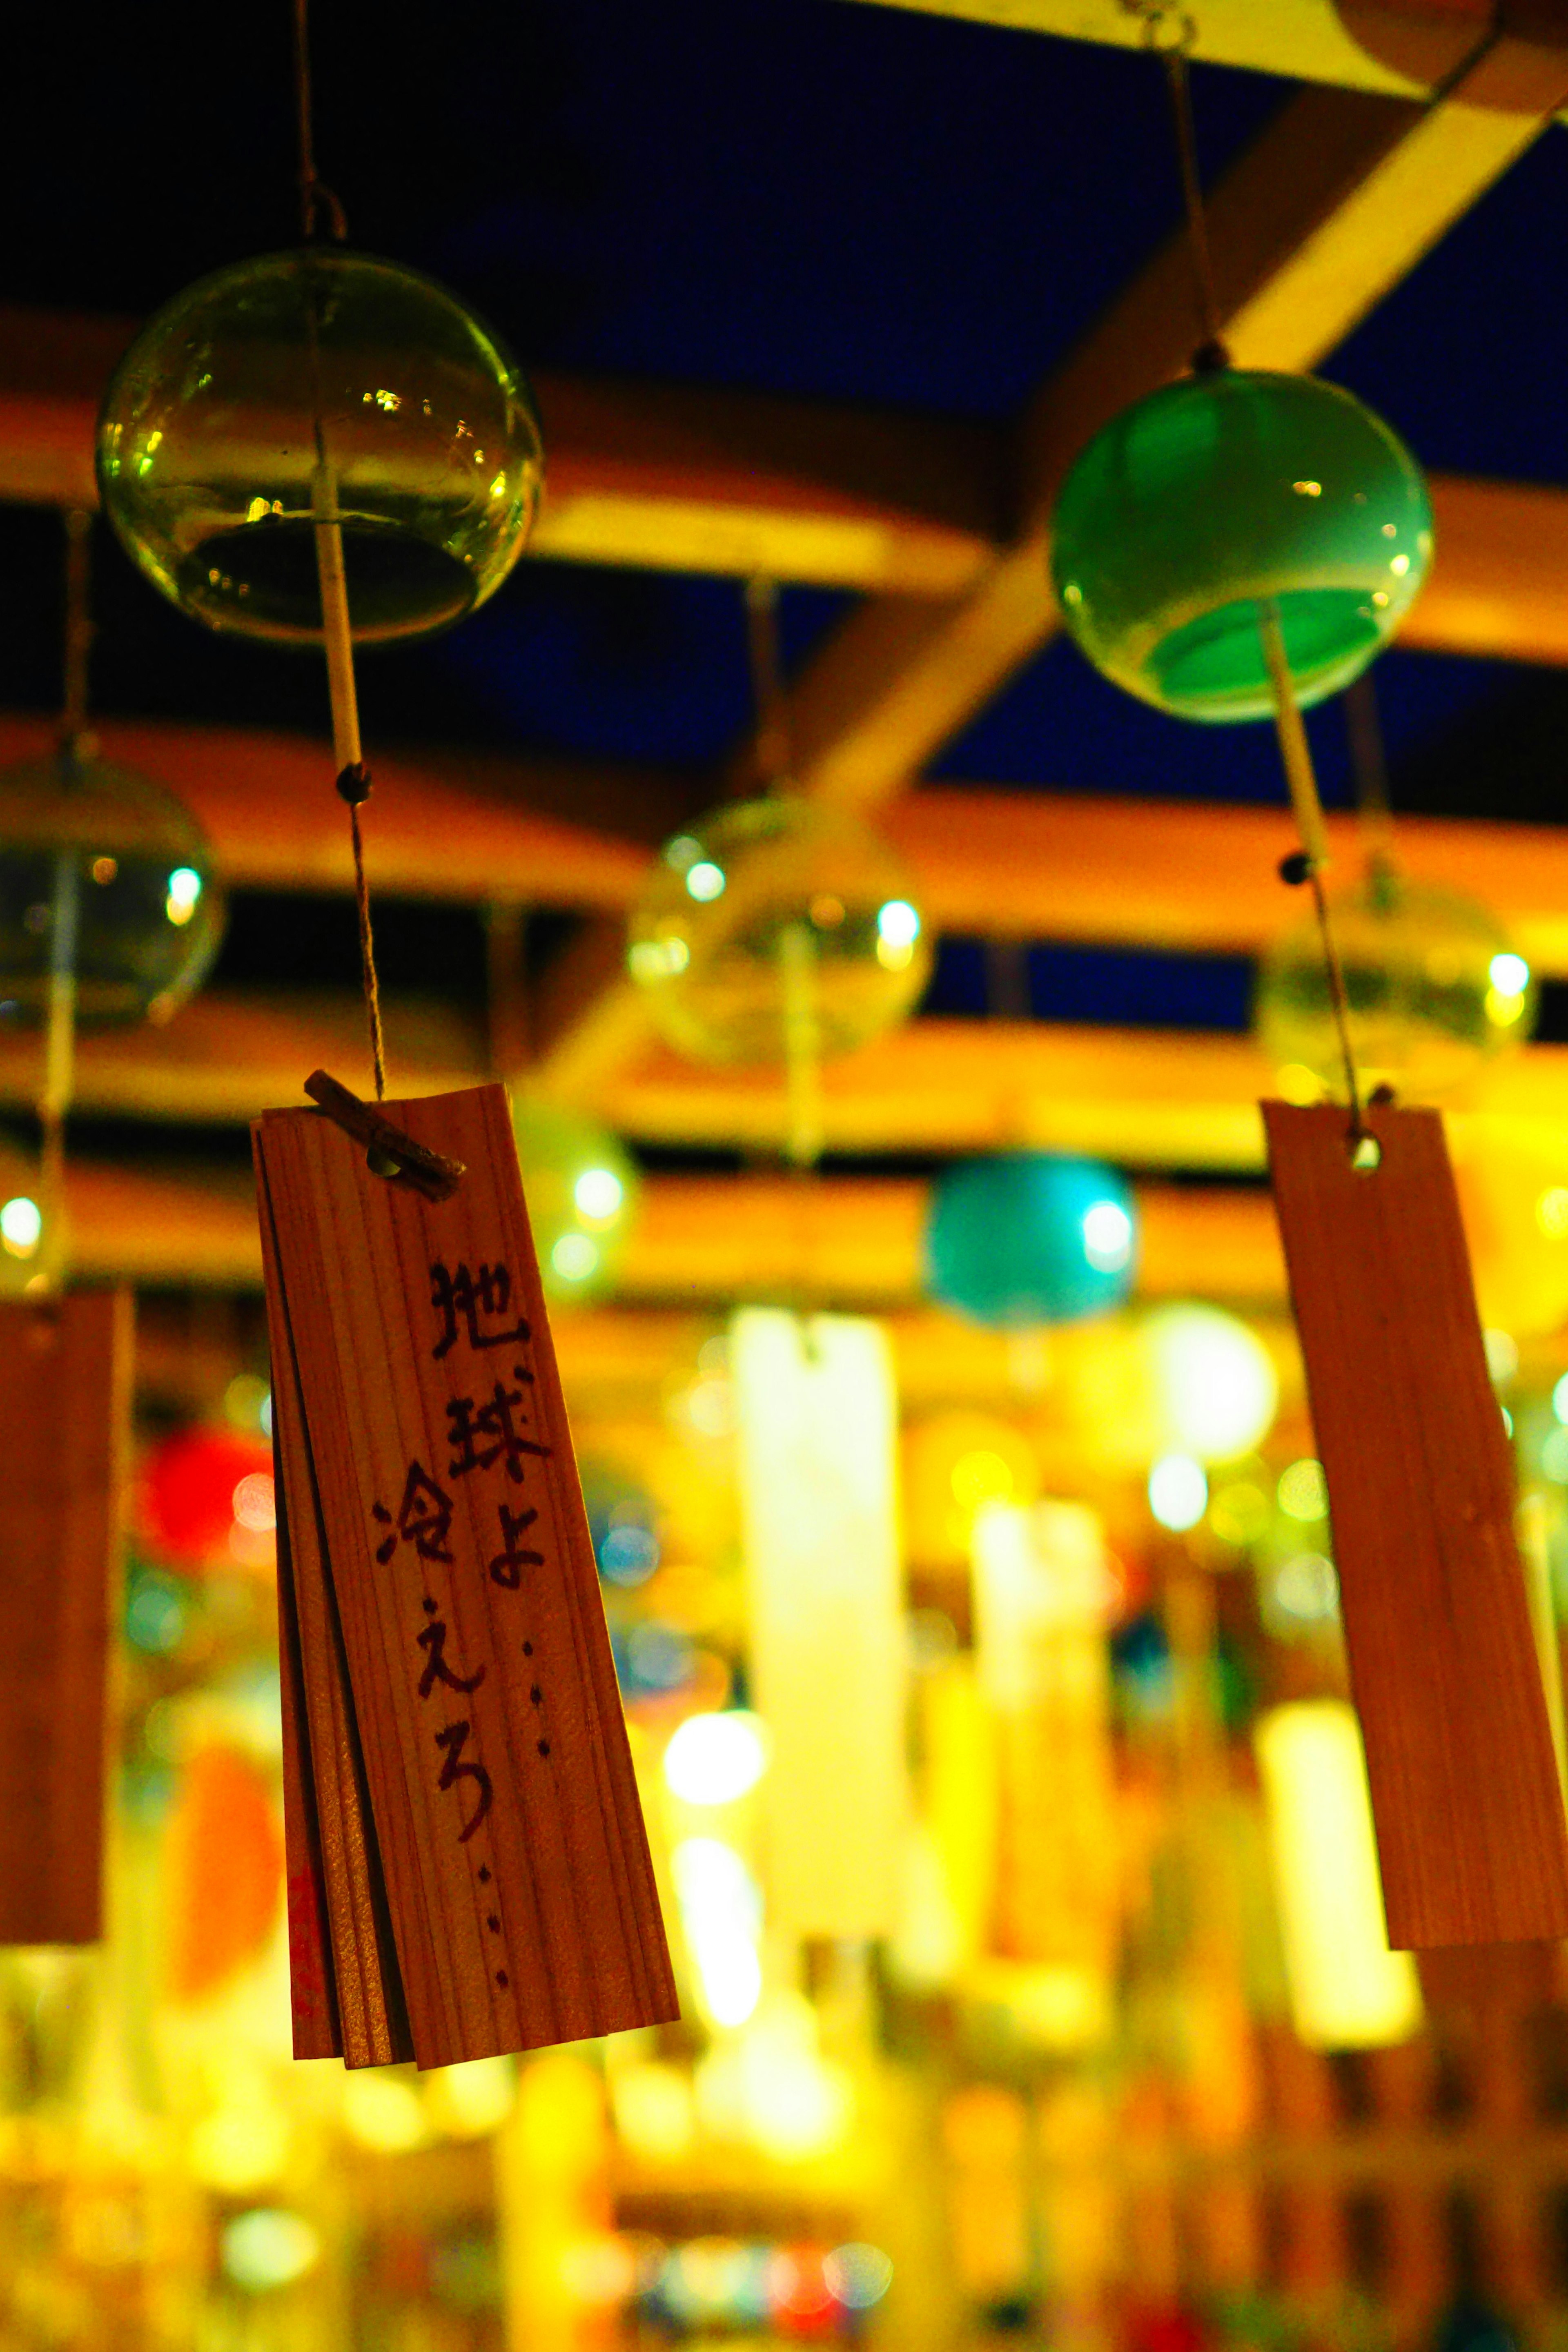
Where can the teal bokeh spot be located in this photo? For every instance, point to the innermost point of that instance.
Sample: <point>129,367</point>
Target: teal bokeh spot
<point>157,1607</point>
<point>1031,1238</point>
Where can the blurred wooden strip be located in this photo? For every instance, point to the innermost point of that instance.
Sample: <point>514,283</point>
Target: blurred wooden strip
<point>505,1805</point>
<point>65,1407</point>
<point>1466,1799</point>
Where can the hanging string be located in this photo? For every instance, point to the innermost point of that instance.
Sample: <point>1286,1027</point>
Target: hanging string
<point>315,196</point>
<point>803,1047</point>
<point>1311,862</point>
<point>79,630</point>
<point>1369,770</point>
<point>1169,34</point>
<point>353,776</point>
<point>770,708</point>
<point>799,978</point>
<point>59,1083</point>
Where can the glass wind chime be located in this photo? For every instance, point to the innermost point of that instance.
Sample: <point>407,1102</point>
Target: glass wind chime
<point>110,913</point>
<point>778,930</point>
<point>1435,989</point>
<point>314,448</point>
<point>1236,546</point>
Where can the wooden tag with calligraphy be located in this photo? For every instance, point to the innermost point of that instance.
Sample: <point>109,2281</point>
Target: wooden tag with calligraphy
<point>65,1421</point>
<point>455,1711</point>
<point>1465,1790</point>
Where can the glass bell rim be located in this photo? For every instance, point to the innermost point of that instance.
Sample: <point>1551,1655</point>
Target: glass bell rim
<point>335,256</point>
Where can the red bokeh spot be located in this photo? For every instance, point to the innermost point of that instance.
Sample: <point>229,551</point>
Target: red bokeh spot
<point>185,1504</point>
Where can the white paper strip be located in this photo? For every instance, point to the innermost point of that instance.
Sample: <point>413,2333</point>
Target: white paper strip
<point>818,1423</point>
<point>1348,1990</point>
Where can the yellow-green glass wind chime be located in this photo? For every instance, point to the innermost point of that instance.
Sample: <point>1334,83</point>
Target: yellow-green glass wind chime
<point>1238,545</point>
<point>319,448</point>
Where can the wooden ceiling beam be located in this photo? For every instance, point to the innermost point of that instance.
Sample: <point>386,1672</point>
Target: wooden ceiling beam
<point>1341,197</point>
<point>667,477</point>
<point>679,479</point>
<point>713,1239</point>
<point>441,825</point>
<point>1143,1098</point>
<point>1146,1098</point>
<point>1353,44</point>
<point>1333,204</point>
<point>986,862</point>
<point>1191,876</point>
<point>227,1057</point>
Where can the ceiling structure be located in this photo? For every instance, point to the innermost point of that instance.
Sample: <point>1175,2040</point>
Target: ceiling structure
<point>835,292</point>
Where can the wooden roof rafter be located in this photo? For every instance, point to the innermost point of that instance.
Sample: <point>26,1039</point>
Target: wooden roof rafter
<point>1340,196</point>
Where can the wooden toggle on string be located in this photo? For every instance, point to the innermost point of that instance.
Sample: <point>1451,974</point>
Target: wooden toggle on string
<point>1465,1795</point>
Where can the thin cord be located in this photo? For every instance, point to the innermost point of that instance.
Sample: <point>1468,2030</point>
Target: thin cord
<point>367,954</point>
<point>58,1082</point>
<point>1169,32</point>
<point>1309,866</point>
<point>770,709</point>
<point>79,630</point>
<point>337,633</point>
<point>59,1065</point>
<point>1211,351</point>
<point>1369,768</point>
<point>314,193</point>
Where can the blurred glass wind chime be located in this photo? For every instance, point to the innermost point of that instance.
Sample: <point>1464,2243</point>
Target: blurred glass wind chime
<point>110,913</point>
<point>1240,544</point>
<point>779,929</point>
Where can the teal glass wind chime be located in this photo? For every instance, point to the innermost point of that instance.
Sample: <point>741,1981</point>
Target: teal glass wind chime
<point>1243,542</point>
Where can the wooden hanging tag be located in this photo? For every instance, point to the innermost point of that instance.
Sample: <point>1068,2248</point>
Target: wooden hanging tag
<point>1465,1790</point>
<point>460,1749</point>
<point>65,1420</point>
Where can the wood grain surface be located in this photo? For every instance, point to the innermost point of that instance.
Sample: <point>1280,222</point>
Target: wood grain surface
<point>65,1418</point>
<point>1465,1789</point>
<point>347,1993</point>
<point>428,1426</point>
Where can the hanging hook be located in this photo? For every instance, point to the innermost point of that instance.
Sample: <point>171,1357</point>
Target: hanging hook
<point>314,193</point>
<point>1171,35</point>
